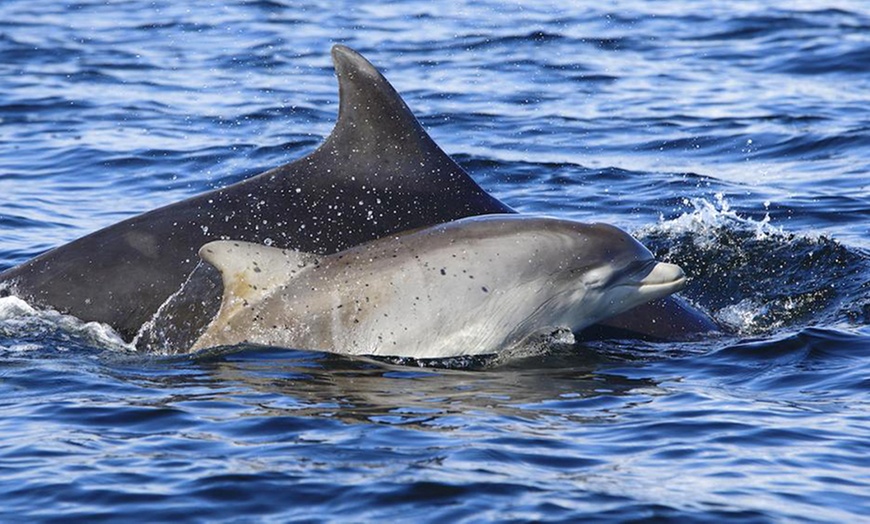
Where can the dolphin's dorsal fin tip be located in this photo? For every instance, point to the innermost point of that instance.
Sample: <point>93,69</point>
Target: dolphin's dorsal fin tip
<point>353,68</point>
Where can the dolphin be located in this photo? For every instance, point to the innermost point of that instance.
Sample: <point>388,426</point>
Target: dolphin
<point>376,174</point>
<point>473,286</point>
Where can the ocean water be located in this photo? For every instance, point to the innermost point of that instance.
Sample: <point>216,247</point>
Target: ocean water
<point>732,138</point>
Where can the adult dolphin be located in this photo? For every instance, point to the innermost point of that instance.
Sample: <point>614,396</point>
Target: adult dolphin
<point>377,173</point>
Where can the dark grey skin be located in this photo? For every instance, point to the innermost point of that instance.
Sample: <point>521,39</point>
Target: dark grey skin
<point>377,154</point>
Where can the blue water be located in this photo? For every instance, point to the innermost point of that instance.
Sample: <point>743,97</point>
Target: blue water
<point>733,138</point>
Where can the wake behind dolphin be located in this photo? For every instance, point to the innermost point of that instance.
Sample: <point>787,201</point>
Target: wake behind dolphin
<point>475,286</point>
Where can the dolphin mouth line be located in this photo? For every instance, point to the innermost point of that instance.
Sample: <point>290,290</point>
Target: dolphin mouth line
<point>678,283</point>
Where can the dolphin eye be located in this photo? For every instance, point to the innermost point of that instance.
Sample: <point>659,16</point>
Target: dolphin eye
<point>595,278</point>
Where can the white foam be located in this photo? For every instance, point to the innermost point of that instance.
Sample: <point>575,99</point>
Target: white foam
<point>13,307</point>
<point>747,317</point>
<point>706,218</point>
<point>19,319</point>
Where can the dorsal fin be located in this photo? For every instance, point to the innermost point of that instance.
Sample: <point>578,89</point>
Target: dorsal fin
<point>373,120</point>
<point>378,136</point>
<point>250,271</point>
<point>371,114</point>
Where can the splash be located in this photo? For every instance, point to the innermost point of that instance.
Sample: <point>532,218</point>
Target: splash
<point>707,220</point>
<point>754,277</point>
<point>25,328</point>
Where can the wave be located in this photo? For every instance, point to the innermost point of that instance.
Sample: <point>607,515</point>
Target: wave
<point>754,277</point>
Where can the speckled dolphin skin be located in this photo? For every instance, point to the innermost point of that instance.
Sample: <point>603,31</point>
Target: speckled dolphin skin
<point>474,286</point>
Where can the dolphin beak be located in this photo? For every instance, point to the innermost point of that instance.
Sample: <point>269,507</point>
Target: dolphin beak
<point>663,279</point>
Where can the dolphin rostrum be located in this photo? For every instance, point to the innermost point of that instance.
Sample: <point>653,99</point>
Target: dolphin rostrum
<point>474,286</point>
<point>377,173</point>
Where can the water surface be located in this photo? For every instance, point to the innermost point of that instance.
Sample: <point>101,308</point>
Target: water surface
<point>732,138</point>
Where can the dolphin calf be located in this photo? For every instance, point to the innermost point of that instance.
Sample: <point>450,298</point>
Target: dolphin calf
<point>470,287</point>
<point>376,174</point>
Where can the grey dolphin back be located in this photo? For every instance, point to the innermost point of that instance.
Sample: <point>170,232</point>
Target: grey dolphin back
<point>377,173</point>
